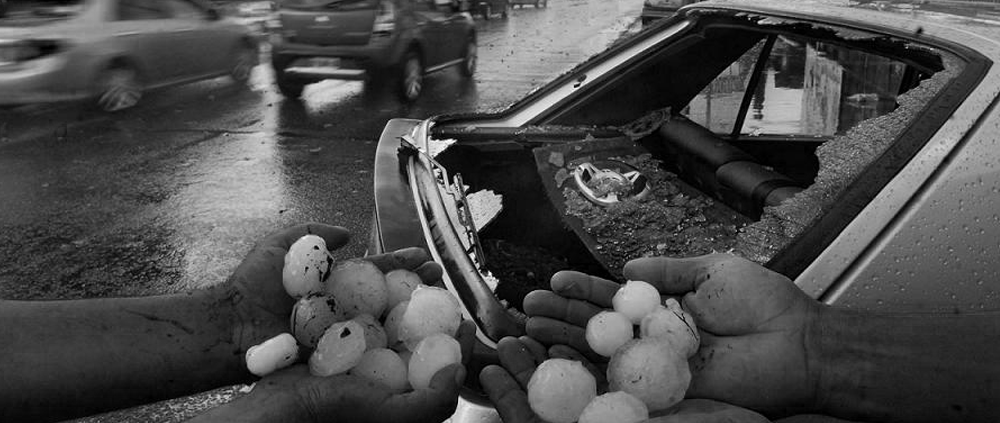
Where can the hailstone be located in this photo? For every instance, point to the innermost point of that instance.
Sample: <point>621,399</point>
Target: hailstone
<point>359,287</point>
<point>400,283</point>
<point>431,310</point>
<point>560,389</point>
<point>307,264</point>
<point>434,352</point>
<point>340,349</point>
<point>391,326</point>
<point>608,330</point>
<point>375,336</point>
<point>312,315</point>
<point>273,354</point>
<point>615,407</point>
<point>635,299</point>
<point>384,366</point>
<point>674,323</point>
<point>652,370</point>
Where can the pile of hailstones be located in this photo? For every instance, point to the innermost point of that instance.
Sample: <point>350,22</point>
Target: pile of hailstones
<point>351,318</point>
<point>646,373</point>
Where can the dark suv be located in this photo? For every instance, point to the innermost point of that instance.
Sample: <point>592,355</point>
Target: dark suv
<point>364,39</point>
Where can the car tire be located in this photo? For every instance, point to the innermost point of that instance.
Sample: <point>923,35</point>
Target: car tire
<point>470,59</point>
<point>411,77</point>
<point>118,88</point>
<point>288,87</point>
<point>244,59</point>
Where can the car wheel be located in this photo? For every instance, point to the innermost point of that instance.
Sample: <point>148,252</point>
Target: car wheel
<point>470,59</point>
<point>244,60</point>
<point>118,88</point>
<point>289,88</point>
<point>411,79</point>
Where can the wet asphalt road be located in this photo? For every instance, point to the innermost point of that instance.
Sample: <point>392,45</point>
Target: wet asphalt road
<point>171,194</point>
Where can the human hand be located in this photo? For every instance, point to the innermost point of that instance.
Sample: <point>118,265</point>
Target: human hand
<point>753,324</point>
<point>507,384</point>
<point>299,396</point>
<point>259,298</point>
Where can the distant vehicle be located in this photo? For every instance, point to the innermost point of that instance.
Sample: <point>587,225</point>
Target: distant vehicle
<point>113,50</point>
<point>368,39</point>
<point>536,3</point>
<point>854,152</point>
<point>488,8</point>
<point>653,10</point>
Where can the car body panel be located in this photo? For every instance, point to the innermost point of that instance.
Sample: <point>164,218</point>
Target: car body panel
<point>350,23</point>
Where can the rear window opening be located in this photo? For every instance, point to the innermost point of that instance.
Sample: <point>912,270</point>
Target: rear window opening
<point>745,157</point>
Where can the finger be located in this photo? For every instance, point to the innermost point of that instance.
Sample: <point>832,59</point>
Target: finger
<point>406,258</point>
<point>551,332</point>
<point>565,352</point>
<point>335,236</point>
<point>466,336</point>
<point>537,350</point>
<point>430,273</point>
<point>435,403</point>
<point>506,395</point>
<point>673,275</point>
<point>581,286</point>
<point>548,304</point>
<point>517,359</point>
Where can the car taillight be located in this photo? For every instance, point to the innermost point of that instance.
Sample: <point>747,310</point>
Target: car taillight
<point>385,18</point>
<point>24,50</point>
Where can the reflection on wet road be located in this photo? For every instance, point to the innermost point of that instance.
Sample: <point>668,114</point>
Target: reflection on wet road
<point>171,194</point>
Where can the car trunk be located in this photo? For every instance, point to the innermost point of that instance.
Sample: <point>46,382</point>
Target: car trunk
<point>548,223</point>
<point>326,22</point>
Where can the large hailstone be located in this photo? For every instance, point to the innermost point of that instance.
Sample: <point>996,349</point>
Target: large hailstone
<point>430,310</point>
<point>672,322</point>
<point>433,353</point>
<point>608,330</point>
<point>560,389</point>
<point>359,287</point>
<point>312,315</point>
<point>400,283</point>
<point>307,263</point>
<point>615,407</point>
<point>340,349</point>
<point>273,354</point>
<point>384,366</point>
<point>652,370</point>
<point>375,336</point>
<point>635,300</point>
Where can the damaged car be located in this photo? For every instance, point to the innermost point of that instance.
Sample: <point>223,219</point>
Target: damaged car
<point>852,151</point>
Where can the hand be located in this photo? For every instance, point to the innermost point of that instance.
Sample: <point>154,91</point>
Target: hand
<point>507,385</point>
<point>708,411</point>
<point>259,298</point>
<point>347,398</point>
<point>754,325</point>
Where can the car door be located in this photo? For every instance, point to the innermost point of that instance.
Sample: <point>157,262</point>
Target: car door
<point>432,23</point>
<point>142,33</point>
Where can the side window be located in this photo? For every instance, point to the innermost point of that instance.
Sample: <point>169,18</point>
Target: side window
<point>133,10</point>
<point>718,104</point>
<point>181,9</point>
<point>808,88</point>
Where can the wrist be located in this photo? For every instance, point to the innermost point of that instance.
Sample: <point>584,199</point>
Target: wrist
<point>260,406</point>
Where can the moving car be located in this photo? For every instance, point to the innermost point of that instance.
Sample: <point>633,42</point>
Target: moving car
<point>367,39</point>
<point>113,50</point>
<point>851,150</point>
<point>536,3</point>
<point>489,8</point>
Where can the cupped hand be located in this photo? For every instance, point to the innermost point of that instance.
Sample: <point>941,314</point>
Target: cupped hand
<point>259,298</point>
<point>507,384</point>
<point>348,398</point>
<point>754,323</point>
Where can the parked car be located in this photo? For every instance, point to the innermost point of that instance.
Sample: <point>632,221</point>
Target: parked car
<point>851,150</point>
<point>363,39</point>
<point>113,50</point>
<point>489,8</point>
<point>536,3</point>
<point>653,10</point>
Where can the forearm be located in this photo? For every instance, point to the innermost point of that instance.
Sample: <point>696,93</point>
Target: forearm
<point>254,408</point>
<point>930,367</point>
<point>64,359</point>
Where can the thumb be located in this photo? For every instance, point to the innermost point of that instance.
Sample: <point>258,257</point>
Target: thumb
<point>435,403</point>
